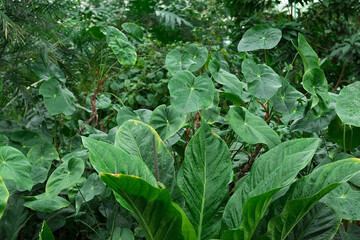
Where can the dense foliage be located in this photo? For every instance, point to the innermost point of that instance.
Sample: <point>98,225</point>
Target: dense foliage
<point>185,119</point>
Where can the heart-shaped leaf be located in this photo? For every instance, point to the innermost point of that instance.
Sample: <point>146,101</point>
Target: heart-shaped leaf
<point>189,93</point>
<point>259,37</point>
<point>133,30</point>
<point>348,104</point>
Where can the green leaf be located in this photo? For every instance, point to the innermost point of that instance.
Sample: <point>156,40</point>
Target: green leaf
<point>259,37</point>
<point>348,104</point>
<point>46,203</point>
<point>262,81</point>
<point>346,136</point>
<point>15,166</point>
<point>159,217</point>
<point>1,84</point>
<point>46,69</point>
<point>108,158</point>
<point>4,195</point>
<point>123,234</point>
<point>251,128</point>
<point>270,172</point>
<point>308,55</point>
<point>133,30</point>
<point>189,93</point>
<point>230,82</point>
<point>42,155</point>
<point>92,187</point>
<point>138,139</point>
<point>166,121</point>
<point>57,98</point>
<point>203,180</point>
<point>24,140</point>
<point>194,57</point>
<point>320,223</point>
<point>305,193</point>
<point>14,218</point>
<point>352,232</point>
<point>65,176</point>
<point>119,44</point>
<point>314,81</point>
<point>285,98</point>
<point>45,232</point>
<point>345,201</point>
<point>126,113</point>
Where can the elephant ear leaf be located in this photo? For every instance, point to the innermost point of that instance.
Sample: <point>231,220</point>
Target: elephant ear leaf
<point>159,217</point>
<point>119,44</point>
<point>259,37</point>
<point>4,195</point>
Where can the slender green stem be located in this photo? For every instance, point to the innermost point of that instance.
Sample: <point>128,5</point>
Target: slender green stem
<point>344,137</point>
<point>292,63</point>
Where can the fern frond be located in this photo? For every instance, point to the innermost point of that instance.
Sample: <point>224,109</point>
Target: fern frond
<point>170,19</point>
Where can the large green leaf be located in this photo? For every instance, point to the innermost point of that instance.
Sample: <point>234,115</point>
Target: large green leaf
<point>119,44</point>
<point>348,104</point>
<point>126,113</point>
<point>262,81</point>
<point>346,136</point>
<point>308,55</point>
<point>345,201</point>
<point>65,176</point>
<point>159,217</point>
<point>4,195</point>
<point>138,139</point>
<point>133,30</point>
<point>166,121</point>
<point>270,172</point>
<point>320,223</point>
<point>259,37</point>
<point>189,93</point>
<point>57,98</point>
<point>13,219</point>
<point>230,82</point>
<point>46,203</point>
<point>92,187</point>
<point>110,159</point>
<point>23,140</point>
<point>314,81</point>
<point>285,98</point>
<point>45,232</point>
<point>45,69</point>
<point>251,128</point>
<point>203,180</point>
<point>192,59</point>
<point>15,166</point>
<point>42,155</point>
<point>305,193</point>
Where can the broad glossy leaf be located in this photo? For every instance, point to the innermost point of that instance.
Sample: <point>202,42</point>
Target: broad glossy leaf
<point>320,223</point>
<point>346,136</point>
<point>173,62</point>
<point>42,155</point>
<point>46,203</point>
<point>308,55</point>
<point>13,219</point>
<point>203,180</point>
<point>194,57</point>
<point>123,234</point>
<point>23,140</point>
<point>127,113</point>
<point>159,217</point>
<point>57,98</point>
<point>15,166</point>
<point>251,128</point>
<point>352,232</point>
<point>230,81</point>
<point>348,104</point>
<point>123,50</point>
<point>189,93</point>
<point>92,187</point>
<point>45,232</point>
<point>110,159</point>
<point>133,30</point>
<point>270,172</point>
<point>65,176</point>
<point>46,69</point>
<point>4,195</point>
<point>305,193</point>
<point>259,37</point>
<point>345,201</point>
<point>166,121</point>
<point>314,81</point>
<point>262,81</point>
<point>285,98</point>
<point>137,139</point>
